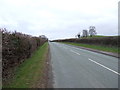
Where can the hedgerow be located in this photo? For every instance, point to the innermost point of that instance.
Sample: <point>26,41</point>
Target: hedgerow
<point>16,47</point>
<point>104,41</point>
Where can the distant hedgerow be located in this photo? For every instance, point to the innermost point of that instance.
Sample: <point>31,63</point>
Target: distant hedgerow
<point>105,41</point>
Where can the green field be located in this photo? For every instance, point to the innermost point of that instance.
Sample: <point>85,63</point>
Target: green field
<point>102,48</point>
<point>29,72</point>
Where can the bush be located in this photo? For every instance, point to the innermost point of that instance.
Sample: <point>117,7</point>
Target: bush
<point>16,47</point>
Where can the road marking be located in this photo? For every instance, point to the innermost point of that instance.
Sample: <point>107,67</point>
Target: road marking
<point>73,47</point>
<point>64,48</point>
<point>104,66</point>
<point>74,52</point>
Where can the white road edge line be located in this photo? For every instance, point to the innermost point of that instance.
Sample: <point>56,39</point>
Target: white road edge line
<point>74,52</point>
<point>104,66</point>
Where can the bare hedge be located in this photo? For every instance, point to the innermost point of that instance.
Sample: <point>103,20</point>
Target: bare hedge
<point>16,47</point>
<point>104,41</point>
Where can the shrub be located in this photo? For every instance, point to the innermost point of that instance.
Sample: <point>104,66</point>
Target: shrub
<point>16,47</point>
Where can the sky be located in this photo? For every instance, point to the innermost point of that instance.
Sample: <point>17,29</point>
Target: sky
<point>59,19</point>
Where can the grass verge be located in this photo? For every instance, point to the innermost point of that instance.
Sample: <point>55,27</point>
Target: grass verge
<point>102,48</point>
<point>27,74</point>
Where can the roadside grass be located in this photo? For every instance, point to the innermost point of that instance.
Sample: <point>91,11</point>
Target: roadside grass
<point>29,71</point>
<point>98,47</point>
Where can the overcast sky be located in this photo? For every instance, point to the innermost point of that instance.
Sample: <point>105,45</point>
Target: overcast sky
<point>59,18</point>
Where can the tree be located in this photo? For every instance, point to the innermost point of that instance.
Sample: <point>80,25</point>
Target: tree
<point>85,33</point>
<point>92,31</point>
<point>78,35</point>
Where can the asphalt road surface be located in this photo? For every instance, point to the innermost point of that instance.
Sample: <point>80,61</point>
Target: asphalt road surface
<point>78,68</point>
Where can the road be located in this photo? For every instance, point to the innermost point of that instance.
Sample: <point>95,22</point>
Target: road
<point>78,68</point>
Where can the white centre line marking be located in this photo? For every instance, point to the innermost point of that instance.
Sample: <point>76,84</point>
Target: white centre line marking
<point>104,66</point>
<point>74,52</point>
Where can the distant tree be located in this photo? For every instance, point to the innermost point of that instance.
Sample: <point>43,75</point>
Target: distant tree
<point>92,31</point>
<point>85,33</point>
<point>78,35</point>
<point>43,37</point>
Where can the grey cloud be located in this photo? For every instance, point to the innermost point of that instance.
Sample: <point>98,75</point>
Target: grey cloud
<point>59,19</point>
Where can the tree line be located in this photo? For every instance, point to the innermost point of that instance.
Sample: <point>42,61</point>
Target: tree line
<point>86,33</point>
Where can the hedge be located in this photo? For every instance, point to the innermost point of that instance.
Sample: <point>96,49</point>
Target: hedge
<point>104,41</point>
<point>16,47</point>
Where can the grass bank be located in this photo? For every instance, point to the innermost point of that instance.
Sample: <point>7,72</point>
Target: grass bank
<point>30,71</point>
<point>102,48</point>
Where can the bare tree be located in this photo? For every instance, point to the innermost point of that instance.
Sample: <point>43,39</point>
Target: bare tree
<point>85,33</point>
<point>92,31</point>
<point>43,37</point>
